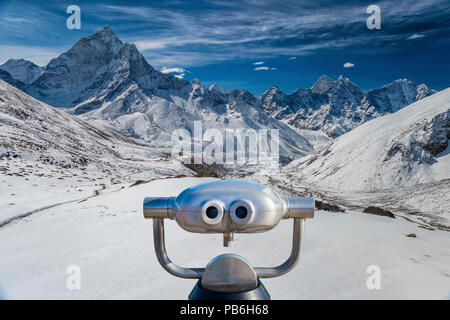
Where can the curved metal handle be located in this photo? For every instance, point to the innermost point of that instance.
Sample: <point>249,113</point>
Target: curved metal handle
<point>163,258</point>
<point>196,273</point>
<point>291,262</point>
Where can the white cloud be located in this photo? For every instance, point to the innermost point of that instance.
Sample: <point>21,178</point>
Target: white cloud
<point>348,65</point>
<point>292,58</point>
<point>258,63</point>
<point>179,76</point>
<point>172,70</point>
<point>415,36</point>
<point>264,68</point>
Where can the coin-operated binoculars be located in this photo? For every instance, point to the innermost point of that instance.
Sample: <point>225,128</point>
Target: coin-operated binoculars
<point>228,207</point>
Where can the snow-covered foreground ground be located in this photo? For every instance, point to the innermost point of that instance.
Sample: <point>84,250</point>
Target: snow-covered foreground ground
<point>111,242</point>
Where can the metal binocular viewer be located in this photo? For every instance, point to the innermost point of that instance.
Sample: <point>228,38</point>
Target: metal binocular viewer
<point>228,207</point>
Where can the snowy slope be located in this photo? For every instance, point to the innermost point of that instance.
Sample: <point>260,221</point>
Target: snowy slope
<point>111,242</point>
<point>54,153</point>
<point>404,148</point>
<point>338,106</point>
<point>398,162</point>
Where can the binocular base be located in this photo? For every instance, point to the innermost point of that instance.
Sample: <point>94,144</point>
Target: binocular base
<point>199,293</point>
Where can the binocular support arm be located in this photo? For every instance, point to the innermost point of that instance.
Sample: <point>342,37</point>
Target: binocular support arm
<point>196,273</point>
<point>291,262</point>
<point>163,258</point>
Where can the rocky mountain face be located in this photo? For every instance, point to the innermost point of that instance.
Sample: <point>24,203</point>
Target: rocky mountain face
<point>22,70</point>
<point>96,70</point>
<point>338,106</point>
<point>7,77</point>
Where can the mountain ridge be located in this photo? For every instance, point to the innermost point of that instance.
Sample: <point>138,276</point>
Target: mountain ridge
<point>338,106</point>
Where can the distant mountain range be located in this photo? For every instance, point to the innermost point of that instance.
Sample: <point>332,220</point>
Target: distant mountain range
<point>105,80</point>
<point>338,106</point>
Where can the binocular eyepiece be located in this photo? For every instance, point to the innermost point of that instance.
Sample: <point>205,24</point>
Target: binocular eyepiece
<point>233,206</point>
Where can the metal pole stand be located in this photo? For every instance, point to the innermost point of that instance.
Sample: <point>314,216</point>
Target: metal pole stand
<point>228,207</point>
<point>229,277</point>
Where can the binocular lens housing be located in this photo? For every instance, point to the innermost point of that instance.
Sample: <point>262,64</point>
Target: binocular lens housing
<point>242,212</point>
<point>212,212</point>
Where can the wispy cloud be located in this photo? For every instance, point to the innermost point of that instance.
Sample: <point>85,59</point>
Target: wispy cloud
<point>173,33</point>
<point>260,30</point>
<point>348,65</point>
<point>415,36</point>
<point>258,63</point>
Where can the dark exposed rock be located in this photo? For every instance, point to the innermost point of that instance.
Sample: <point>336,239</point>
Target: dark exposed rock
<point>320,205</point>
<point>208,170</point>
<point>379,211</point>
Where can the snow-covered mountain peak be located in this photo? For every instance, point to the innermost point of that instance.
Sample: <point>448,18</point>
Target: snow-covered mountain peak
<point>423,91</point>
<point>103,42</point>
<point>247,97</point>
<point>22,70</point>
<point>219,90</point>
<point>105,37</point>
<point>98,69</point>
<point>322,85</point>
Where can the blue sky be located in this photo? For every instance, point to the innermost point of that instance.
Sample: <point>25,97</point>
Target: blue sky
<point>220,41</point>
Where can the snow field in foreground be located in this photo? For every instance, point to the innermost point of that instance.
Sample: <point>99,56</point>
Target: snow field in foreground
<point>111,242</point>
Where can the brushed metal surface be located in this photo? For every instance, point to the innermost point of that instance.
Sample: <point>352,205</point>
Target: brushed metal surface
<point>229,273</point>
